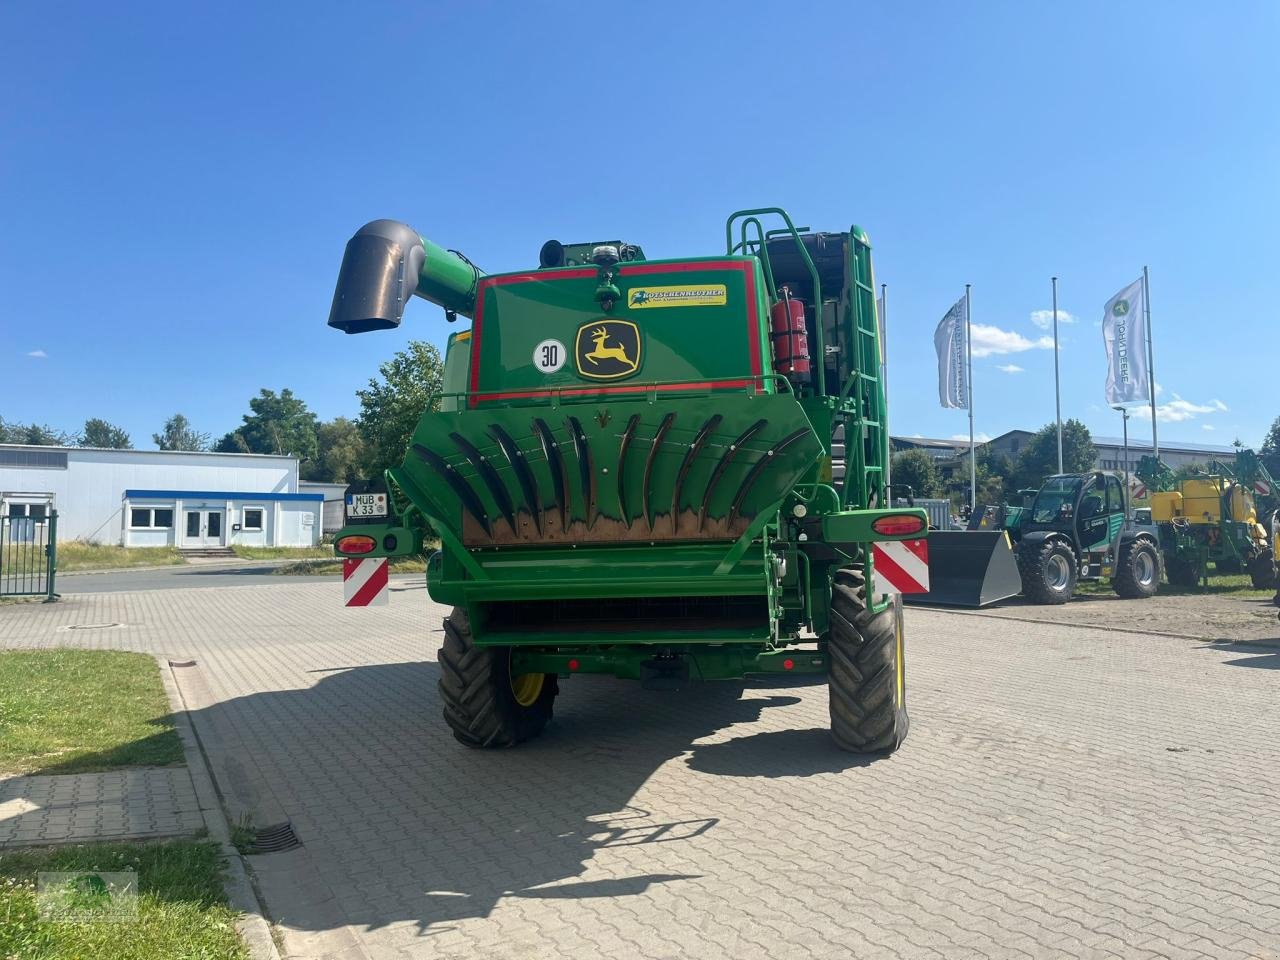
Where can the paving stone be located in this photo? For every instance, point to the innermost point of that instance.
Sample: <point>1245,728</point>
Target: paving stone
<point>1065,792</point>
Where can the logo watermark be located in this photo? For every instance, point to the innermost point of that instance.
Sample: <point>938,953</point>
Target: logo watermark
<point>87,896</point>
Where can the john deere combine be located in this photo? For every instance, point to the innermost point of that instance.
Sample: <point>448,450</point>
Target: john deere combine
<point>631,471</point>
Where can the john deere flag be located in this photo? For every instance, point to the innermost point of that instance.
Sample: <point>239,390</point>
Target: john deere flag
<point>950,341</point>
<point>1124,333</point>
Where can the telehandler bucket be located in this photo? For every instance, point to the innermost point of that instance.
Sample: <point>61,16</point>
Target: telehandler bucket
<point>969,568</point>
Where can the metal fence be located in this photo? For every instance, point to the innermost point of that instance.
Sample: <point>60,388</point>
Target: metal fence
<point>28,555</point>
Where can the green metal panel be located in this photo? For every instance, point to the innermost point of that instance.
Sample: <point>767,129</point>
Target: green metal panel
<point>681,337</point>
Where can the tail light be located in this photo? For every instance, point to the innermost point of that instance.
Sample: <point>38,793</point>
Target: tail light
<point>898,525</point>
<point>356,545</point>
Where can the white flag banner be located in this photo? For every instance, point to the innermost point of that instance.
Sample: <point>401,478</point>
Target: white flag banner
<point>1124,334</point>
<point>950,339</point>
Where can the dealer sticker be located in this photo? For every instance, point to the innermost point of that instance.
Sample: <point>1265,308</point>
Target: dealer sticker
<point>679,295</point>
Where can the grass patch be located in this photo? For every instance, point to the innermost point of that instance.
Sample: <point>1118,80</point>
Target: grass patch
<point>1234,585</point>
<point>182,909</point>
<point>285,553</point>
<point>311,568</point>
<point>81,555</point>
<point>78,711</point>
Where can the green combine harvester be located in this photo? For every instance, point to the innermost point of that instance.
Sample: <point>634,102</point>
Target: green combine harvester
<point>631,471</point>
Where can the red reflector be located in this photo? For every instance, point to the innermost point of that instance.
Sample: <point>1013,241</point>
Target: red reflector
<point>899,525</point>
<point>573,664</point>
<point>788,664</point>
<point>356,545</point>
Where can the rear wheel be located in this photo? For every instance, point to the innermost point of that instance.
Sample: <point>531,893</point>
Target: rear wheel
<point>867,682</point>
<point>1048,571</point>
<point>1182,573</point>
<point>483,703</point>
<point>1262,570</point>
<point>1138,571</point>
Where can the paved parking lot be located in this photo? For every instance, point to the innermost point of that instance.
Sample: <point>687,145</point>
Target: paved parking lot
<point>1065,791</point>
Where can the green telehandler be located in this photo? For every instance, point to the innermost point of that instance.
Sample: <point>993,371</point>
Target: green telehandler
<point>630,471</point>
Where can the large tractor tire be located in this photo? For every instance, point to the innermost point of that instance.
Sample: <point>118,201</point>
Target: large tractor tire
<point>1181,573</point>
<point>1138,571</point>
<point>867,680</point>
<point>1048,571</point>
<point>483,703</point>
<point>1262,570</point>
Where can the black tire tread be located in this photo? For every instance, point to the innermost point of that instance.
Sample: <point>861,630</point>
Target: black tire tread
<point>862,651</point>
<point>1127,584</point>
<point>1031,564</point>
<point>1262,571</point>
<point>475,690</point>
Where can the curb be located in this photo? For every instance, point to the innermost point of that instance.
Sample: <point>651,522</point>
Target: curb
<point>252,926</point>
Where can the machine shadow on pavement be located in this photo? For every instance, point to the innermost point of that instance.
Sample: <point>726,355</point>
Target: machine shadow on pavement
<point>383,797</point>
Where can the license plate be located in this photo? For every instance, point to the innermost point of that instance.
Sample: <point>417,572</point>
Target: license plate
<point>367,505</point>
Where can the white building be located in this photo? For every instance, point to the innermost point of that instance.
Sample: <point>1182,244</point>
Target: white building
<point>153,498</point>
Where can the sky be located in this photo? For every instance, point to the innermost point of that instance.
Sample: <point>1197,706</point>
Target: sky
<point>177,184</point>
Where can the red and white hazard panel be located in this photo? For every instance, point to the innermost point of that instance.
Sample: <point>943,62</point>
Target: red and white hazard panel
<point>901,566</point>
<point>364,582</point>
<point>1262,488</point>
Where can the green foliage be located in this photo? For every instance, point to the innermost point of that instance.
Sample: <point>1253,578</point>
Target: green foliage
<point>1188,471</point>
<point>1039,458</point>
<point>340,453</point>
<point>35,433</point>
<point>1270,449</point>
<point>98,433</point>
<point>181,907</point>
<point>178,434</point>
<point>277,423</point>
<point>916,469</point>
<point>392,405</point>
<point>75,711</point>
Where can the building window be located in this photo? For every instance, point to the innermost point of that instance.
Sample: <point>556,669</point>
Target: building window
<point>55,459</point>
<point>35,511</point>
<point>253,518</point>
<point>149,518</point>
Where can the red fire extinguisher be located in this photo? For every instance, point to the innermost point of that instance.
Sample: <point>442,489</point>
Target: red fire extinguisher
<point>789,337</point>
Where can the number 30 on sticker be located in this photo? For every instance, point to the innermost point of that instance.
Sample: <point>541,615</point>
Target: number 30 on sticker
<point>549,356</point>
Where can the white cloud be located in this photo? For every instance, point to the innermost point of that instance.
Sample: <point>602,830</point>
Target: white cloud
<point>38,354</point>
<point>1178,410</point>
<point>977,437</point>
<point>989,341</point>
<point>1044,318</point>
<point>1207,426</point>
<point>1010,368</point>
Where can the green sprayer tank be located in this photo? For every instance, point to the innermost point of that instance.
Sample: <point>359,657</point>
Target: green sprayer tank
<point>667,470</point>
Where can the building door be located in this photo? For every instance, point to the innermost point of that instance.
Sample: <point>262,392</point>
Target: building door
<point>204,528</point>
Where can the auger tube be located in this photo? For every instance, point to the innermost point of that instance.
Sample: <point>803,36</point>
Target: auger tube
<point>385,263</point>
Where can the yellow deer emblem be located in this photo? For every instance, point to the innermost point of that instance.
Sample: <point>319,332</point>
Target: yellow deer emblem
<point>600,352</point>
<point>614,351</point>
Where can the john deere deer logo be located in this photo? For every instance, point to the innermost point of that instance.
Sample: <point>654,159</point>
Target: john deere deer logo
<point>608,349</point>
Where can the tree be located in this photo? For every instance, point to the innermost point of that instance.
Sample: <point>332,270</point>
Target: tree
<point>1270,449</point>
<point>178,434</point>
<point>1039,458</point>
<point>98,433</point>
<point>340,453</point>
<point>916,469</point>
<point>279,424</point>
<point>35,434</point>
<point>391,406</point>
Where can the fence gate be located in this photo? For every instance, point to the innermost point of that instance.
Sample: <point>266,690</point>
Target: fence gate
<point>28,555</point>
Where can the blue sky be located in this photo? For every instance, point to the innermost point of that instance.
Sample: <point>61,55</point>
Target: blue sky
<point>177,183</point>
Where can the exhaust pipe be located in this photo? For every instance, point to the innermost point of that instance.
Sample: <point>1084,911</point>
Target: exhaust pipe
<point>386,263</point>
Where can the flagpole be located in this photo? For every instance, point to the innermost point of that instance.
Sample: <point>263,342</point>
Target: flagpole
<point>884,386</point>
<point>1057,383</point>
<point>1125,415</point>
<point>1151,360</point>
<point>968,349</point>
